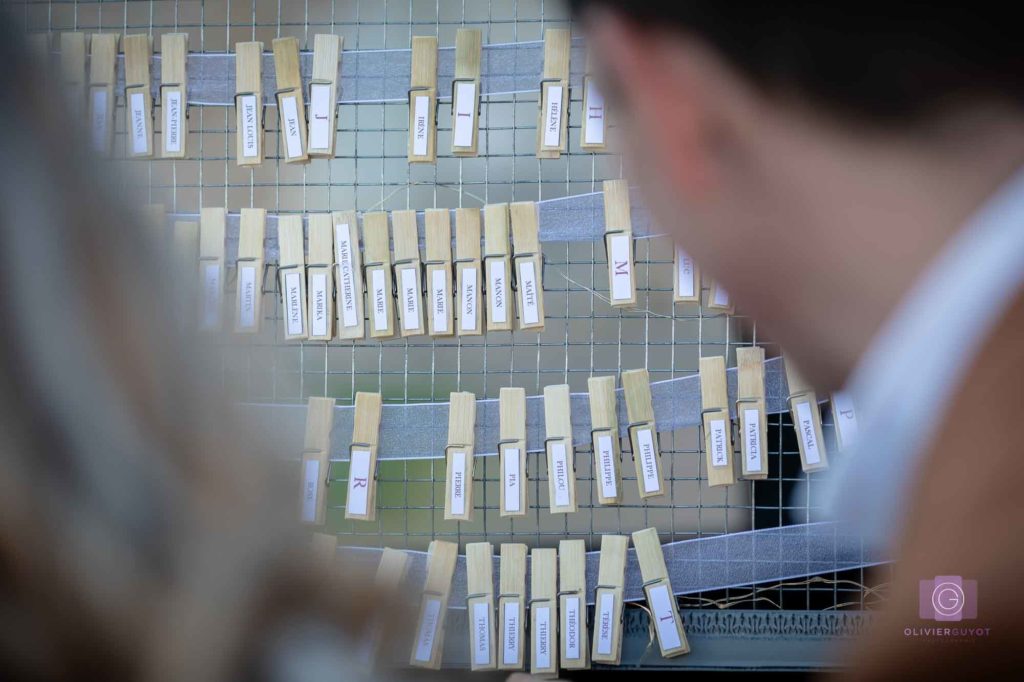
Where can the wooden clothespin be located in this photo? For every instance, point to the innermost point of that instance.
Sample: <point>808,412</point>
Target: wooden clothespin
<point>686,281</point>
<point>440,321</point>
<point>348,274</point>
<point>512,450</point>
<point>212,226</point>
<point>185,246</point>
<point>316,459</point>
<point>102,76</point>
<point>593,132</point>
<point>408,273</point>
<point>611,582</point>
<point>718,299</point>
<point>658,589</point>
<point>291,104</point>
<point>543,611</point>
<point>750,412</point>
<point>512,605</point>
<point>468,274</point>
<point>319,279</point>
<point>377,272</point>
<point>291,270</point>
<point>249,103</point>
<point>498,265</point>
<point>845,418</point>
<point>803,407</point>
<point>138,95</point>
<point>389,579</point>
<point>480,604</point>
<point>174,94</point>
<point>717,425</point>
<point>604,422</point>
<point>553,117</point>
<point>643,433</point>
<point>250,268</point>
<point>423,101</point>
<point>427,648</point>
<point>458,494</point>
<point>559,447</point>
<point>323,94</point>
<point>572,604</point>
<point>466,92</point>
<point>361,501</point>
<point>528,263</point>
<point>618,244</point>
<point>72,68</point>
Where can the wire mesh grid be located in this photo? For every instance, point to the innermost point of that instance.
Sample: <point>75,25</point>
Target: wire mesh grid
<point>584,336</point>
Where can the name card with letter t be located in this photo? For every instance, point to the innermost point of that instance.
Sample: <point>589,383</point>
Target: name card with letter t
<point>511,606</point>
<point>543,611</point>
<point>751,413</point>
<point>643,434</point>
<point>572,604</point>
<point>423,100</point>
<point>291,272</point>
<point>803,406</point>
<point>480,604</point>
<point>661,601</point>
<point>458,497</point>
<point>553,117</point>
<point>249,268</point>
<point>348,275</point>
<point>291,105</point>
<point>212,228</point>
<point>618,243</point>
<point>558,444</point>
<point>608,604</point>
<point>316,460</point>
<point>716,422</point>
<point>429,641</point>
<point>361,501</point>
<point>528,265</point>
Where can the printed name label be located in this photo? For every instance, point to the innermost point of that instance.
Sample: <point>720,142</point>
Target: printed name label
<point>560,474</point>
<point>439,299</point>
<point>594,119</point>
<point>380,305</point>
<point>250,126</point>
<point>721,296</point>
<point>621,266</point>
<point>605,623</point>
<point>497,288</point>
<point>211,295</point>
<point>293,303</point>
<point>513,491</point>
<point>468,299</point>
<point>419,128</point>
<point>844,416</point>
<point>459,483</point>
<point>752,439</point>
<point>359,483</point>
<point>172,121</point>
<point>247,296</point>
<point>553,117</point>
<point>528,292</point>
<point>290,122</point>
<point>465,113</point>
<point>481,633</point>
<point>716,433</point>
<point>100,119</point>
<point>648,460</point>
<point>310,477</point>
<point>410,296</point>
<point>664,617</point>
<point>571,626</point>
<point>140,136</point>
<point>686,285</point>
<point>346,274</point>
<point>807,435</point>
<point>606,462</point>
<point>428,629</point>
<point>510,633</point>
<point>320,108</point>
<point>542,637</point>
<point>319,297</point>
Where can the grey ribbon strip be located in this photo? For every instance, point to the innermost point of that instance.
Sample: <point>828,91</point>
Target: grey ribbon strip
<point>420,431</point>
<point>373,76</point>
<point>700,565</point>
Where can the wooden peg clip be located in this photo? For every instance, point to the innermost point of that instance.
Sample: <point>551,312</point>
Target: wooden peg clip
<point>102,76</point>
<point>174,95</point>
<point>803,407</point>
<point>458,494</point>
<point>593,131</point>
<point>512,450</point>
<point>529,265</point>
<point>480,604</point>
<point>323,94</point>
<point>72,68</point>
<point>660,599</point>
<point>348,275</point>
<point>361,501</point>
<point>719,299</point>
<point>423,101</point>
<point>249,103</point>
<point>138,95</point>
<point>250,269</point>
<point>440,320</point>
<point>316,460</point>
<point>643,433</point>
<point>377,272</point>
<point>511,605</point>
<point>611,582</point>
<point>468,274</point>
<point>559,448</point>
<point>498,266</point>
<point>291,105</point>
<point>319,278</point>
<point>429,642</point>
<point>389,579</point>
<point>543,611</point>
<point>618,244</point>
<point>686,279</point>
<point>716,422</point>
<point>292,273</point>
<point>750,412</point>
<point>604,422</point>
<point>553,117</point>
<point>466,93</point>
<point>212,226</point>
<point>408,270</point>
<point>572,604</point>
<point>845,418</point>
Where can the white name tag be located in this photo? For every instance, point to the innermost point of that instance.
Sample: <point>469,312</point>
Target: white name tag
<point>465,113</point>
<point>805,427</point>
<point>250,126</point>
<point>844,416</point>
<point>664,617</point>
<point>721,297</point>
<point>293,303</point>
<point>542,637</point>
<point>458,499</point>
<point>247,296</point>
<point>139,124</point>
<point>320,107</point>
<point>594,121</point>
<point>752,439</point>
<point>410,296</point>
<point>291,123</point>
<point>481,633</point>
<point>496,286</point>
<point>439,299</point>
<point>172,121</point>
<point>310,478</point>
<point>648,461</point>
<point>511,480</point>
<point>358,483</point>
<point>211,296</point>
<point>468,300</point>
<point>719,456</point>
<point>428,630</point>
<point>528,288</point>
<point>686,285</point>
<point>100,119</point>
<point>346,274</point>
<point>380,306</point>
<point>510,634</point>
<point>621,267</point>
<point>419,139</point>
<point>318,292</point>
<point>606,461</point>
<point>560,474</point>
<point>553,117</point>
<point>605,623</point>
<point>571,628</point>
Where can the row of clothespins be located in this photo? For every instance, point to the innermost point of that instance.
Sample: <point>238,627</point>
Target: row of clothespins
<point>554,617</point>
<point>722,465</point>
<point>304,137</point>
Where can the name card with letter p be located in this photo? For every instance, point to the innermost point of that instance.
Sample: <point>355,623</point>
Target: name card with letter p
<point>291,105</point>
<point>643,434</point>
<point>572,604</point>
<point>440,318</point>
<point>528,264</point>
<point>512,451</point>
<point>750,412</point>
<point>429,641</point>
<point>845,418</point>
<point>348,275</point>
<point>558,444</point>
<point>361,501</point>
<point>173,95</point>
<point>249,103</point>
<point>291,271</point>
<point>377,269</point>
<point>553,117</point>
<point>716,422</point>
<point>661,601</point>
<point>458,494</point>
<point>249,269</point>
<point>618,243</point>
<point>408,273</point>
<point>511,606</point>
<point>468,273</point>
<point>138,95</point>
<point>423,101</point>
<point>316,460</point>
<point>608,604</point>
<point>498,268</point>
<point>543,611</point>
<point>803,407</point>
<point>212,228</point>
<point>604,422</point>
<point>102,75</point>
<point>323,95</point>
<point>466,92</point>
<point>480,605</point>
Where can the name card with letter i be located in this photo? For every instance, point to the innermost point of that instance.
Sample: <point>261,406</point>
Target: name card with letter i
<point>751,413</point>
<point>361,500</point>
<point>498,268</point>
<point>543,611</point>
<point>408,273</point>
<point>661,601</point>
<point>466,92</point>
<point>593,130</point>
<point>249,103</point>
<point>511,606</point>
<point>611,581</point>
<point>138,96</point>
<point>716,422</point>
<point>643,434</point>
<point>512,451</point>
<point>604,422</point>
<point>319,278</point>
<point>174,95</point>
<point>316,460</point>
<point>528,265</point>
<point>458,497</point>
<point>212,225</point>
<point>618,243</point>
<point>291,272</point>
<point>440,318</point>
<point>348,275</point>
<point>553,117</point>
<point>377,269</point>
<point>468,274</point>
<point>572,598</point>
<point>480,605</point>
<point>429,642</point>
<point>685,279</point>
<point>323,95</point>
<point>423,100</point>
<point>102,75</point>
<point>803,407</point>
<point>559,448</point>
<point>291,105</point>
<point>249,268</point>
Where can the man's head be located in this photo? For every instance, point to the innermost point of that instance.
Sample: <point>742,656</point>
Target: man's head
<point>811,156</point>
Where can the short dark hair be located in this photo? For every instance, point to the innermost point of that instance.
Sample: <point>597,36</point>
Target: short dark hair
<point>891,64</point>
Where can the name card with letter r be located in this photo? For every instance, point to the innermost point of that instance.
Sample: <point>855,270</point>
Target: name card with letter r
<point>291,104</point>
<point>212,228</point>
<point>661,601</point>
<point>543,611</point>
<point>174,94</point>
<point>458,498</point>
<point>466,92</point>
<point>498,267</point>
<point>291,271</point>
<point>320,278</point>
<point>315,460</point>
<point>250,265</point>
<point>572,574</point>
<point>803,407</point>
<point>407,273</point>
<point>618,242</point>
<point>348,275</point>
<point>528,265</point>
<point>423,100</point>
<point>323,94</point>
<point>751,413</point>
<point>512,451</point>
<point>468,273</point>
<point>553,117</point>
<point>249,103</point>
<point>138,96</point>
<point>440,318</point>
<point>429,634</point>
<point>643,434</point>
<point>511,606</point>
<point>716,422</point>
<point>559,447</point>
<point>608,604</point>
<point>361,501</point>
<point>377,251</point>
<point>480,604</point>
<point>604,421</point>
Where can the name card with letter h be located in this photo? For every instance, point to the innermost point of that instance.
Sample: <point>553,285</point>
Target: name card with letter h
<point>361,501</point>
<point>480,604</point>
<point>458,498</point>
<point>348,275</point>
<point>572,604</point>
<point>608,604</point>
<point>643,434</point>
<point>512,605</point>
<point>429,642</point>
<point>543,611</point>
